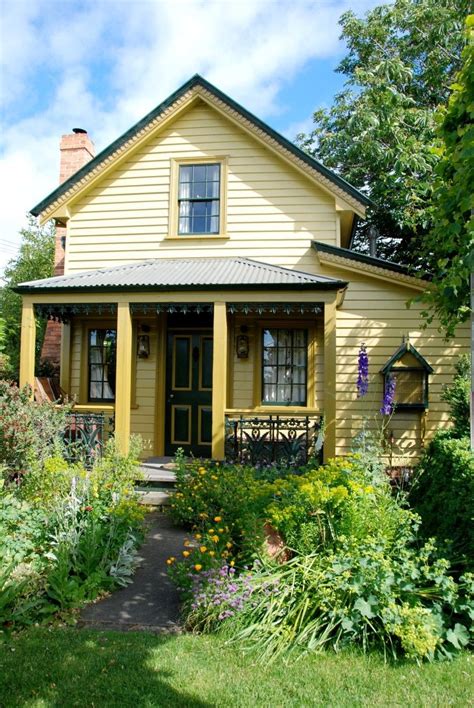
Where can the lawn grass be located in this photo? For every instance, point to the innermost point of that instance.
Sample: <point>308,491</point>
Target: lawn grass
<point>70,667</point>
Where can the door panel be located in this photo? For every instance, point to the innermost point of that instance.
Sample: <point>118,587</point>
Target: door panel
<point>188,421</point>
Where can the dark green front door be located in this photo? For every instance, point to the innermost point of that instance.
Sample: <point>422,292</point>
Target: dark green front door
<point>188,422</point>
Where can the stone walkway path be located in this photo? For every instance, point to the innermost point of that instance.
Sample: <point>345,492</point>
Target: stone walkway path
<point>151,601</point>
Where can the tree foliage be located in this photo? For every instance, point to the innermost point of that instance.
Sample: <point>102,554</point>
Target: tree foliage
<point>381,129</point>
<point>35,260</point>
<point>449,246</point>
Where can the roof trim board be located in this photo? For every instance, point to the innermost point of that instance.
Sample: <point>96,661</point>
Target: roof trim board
<point>195,85</point>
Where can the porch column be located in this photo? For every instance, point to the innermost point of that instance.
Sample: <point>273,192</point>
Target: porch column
<point>27,344</point>
<point>329,379</point>
<point>65,366</point>
<point>219,380</point>
<point>123,377</point>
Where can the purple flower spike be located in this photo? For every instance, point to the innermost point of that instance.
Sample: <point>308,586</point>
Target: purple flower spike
<point>362,372</point>
<point>389,397</point>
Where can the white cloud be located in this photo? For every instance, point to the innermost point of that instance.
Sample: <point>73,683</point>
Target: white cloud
<point>51,49</point>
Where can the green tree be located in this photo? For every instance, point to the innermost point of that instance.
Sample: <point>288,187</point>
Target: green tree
<point>35,260</point>
<point>381,129</point>
<point>449,246</point>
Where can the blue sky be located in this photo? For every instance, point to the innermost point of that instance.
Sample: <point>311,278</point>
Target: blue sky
<point>103,64</point>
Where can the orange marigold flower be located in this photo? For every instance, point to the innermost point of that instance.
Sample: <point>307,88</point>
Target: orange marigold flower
<point>198,567</point>
<point>217,519</point>
<point>186,554</point>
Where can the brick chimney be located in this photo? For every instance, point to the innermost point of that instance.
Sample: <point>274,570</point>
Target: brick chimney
<point>76,149</point>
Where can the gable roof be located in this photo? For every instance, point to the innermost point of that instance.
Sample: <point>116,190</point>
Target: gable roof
<point>195,82</point>
<point>406,348</point>
<point>184,274</point>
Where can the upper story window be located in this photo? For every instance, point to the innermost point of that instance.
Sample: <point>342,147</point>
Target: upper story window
<point>101,364</point>
<point>199,199</point>
<point>285,365</point>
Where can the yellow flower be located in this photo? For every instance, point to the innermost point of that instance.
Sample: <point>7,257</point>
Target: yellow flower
<point>186,543</point>
<point>232,563</point>
<point>203,515</point>
<point>212,553</point>
<point>186,554</point>
<point>215,538</point>
<point>213,476</point>
<point>202,472</point>
<point>217,519</point>
<point>171,560</point>
<point>203,549</point>
<point>211,530</point>
<point>198,567</point>
<point>228,544</point>
<point>198,536</point>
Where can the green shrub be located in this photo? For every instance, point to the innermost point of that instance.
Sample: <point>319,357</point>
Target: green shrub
<point>458,396</point>
<point>205,491</point>
<point>66,534</point>
<point>29,432</point>
<point>337,500</point>
<point>443,495</point>
<point>394,597</point>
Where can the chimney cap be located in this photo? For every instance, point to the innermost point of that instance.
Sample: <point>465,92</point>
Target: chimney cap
<point>80,131</point>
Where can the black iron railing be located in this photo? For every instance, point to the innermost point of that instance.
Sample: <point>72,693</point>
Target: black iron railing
<point>85,435</point>
<point>273,439</point>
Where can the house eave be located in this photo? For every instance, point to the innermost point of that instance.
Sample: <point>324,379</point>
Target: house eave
<point>375,267</point>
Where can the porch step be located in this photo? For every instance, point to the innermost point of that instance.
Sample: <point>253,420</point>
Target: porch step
<point>153,498</point>
<point>158,469</point>
<point>156,474</point>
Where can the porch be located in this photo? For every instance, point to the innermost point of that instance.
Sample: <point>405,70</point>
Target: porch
<point>242,372</point>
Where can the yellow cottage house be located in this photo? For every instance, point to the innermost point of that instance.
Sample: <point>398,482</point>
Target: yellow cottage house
<point>209,298</point>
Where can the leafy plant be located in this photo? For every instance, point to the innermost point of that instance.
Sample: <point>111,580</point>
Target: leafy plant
<point>458,396</point>
<point>35,260</point>
<point>443,495</point>
<point>205,491</point>
<point>394,597</point>
<point>30,432</point>
<point>380,131</point>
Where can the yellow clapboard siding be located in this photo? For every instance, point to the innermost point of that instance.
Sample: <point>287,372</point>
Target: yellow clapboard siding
<point>273,214</point>
<point>133,201</point>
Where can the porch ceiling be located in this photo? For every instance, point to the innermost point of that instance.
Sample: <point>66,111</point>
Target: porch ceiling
<point>184,274</point>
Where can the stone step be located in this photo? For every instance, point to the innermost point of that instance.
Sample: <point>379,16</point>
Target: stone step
<point>154,473</point>
<point>153,498</point>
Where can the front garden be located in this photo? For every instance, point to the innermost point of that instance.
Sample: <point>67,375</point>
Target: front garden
<point>68,532</point>
<point>328,564</point>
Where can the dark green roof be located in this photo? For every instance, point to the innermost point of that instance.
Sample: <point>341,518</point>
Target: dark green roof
<point>368,260</point>
<point>197,80</point>
<point>406,348</point>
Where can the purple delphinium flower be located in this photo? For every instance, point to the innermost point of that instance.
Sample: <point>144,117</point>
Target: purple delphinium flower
<point>389,397</point>
<point>362,372</point>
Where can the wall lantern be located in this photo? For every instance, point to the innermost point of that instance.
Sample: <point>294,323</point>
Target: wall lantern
<point>242,344</point>
<point>143,343</point>
<point>411,371</point>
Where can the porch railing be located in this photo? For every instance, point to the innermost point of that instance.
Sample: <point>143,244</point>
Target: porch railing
<point>85,435</point>
<point>273,439</point>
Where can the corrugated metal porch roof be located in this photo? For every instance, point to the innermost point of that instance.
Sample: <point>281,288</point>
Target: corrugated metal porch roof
<point>185,274</point>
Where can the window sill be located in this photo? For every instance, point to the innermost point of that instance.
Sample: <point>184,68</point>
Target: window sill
<point>196,237</point>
